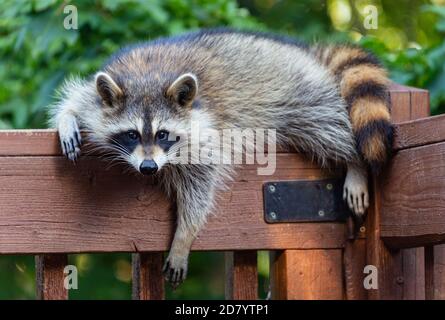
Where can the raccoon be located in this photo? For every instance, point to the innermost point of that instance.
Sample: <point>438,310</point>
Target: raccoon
<point>330,102</point>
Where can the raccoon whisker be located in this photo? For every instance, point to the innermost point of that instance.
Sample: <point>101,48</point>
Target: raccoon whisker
<point>118,146</point>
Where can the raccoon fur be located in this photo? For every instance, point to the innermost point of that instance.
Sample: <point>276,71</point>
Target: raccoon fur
<point>330,102</point>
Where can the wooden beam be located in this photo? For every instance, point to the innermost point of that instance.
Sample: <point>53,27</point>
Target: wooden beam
<point>49,204</point>
<point>419,132</point>
<point>413,202</point>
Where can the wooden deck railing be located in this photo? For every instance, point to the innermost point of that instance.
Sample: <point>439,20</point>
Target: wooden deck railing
<point>50,208</point>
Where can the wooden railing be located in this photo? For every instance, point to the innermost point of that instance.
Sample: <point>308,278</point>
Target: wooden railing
<point>50,208</point>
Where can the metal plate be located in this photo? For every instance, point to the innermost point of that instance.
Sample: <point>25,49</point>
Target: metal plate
<point>304,201</point>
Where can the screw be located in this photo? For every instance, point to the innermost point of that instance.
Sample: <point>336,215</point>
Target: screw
<point>273,215</point>
<point>272,188</point>
<point>362,229</point>
<point>321,213</point>
<point>400,280</point>
<point>329,186</point>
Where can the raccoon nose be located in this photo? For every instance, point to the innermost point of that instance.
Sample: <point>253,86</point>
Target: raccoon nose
<point>148,167</point>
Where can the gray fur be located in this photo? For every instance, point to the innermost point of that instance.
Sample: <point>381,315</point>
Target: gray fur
<point>245,81</point>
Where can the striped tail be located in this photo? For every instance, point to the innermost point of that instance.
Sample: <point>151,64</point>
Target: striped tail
<point>364,86</point>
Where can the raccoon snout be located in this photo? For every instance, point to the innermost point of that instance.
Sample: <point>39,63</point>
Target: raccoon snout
<point>148,167</point>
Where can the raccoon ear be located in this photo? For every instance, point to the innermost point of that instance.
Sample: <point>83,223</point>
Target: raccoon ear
<point>107,88</point>
<point>184,89</point>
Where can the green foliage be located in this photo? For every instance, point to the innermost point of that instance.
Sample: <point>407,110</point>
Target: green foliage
<point>418,67</point>
<point>37,52</point>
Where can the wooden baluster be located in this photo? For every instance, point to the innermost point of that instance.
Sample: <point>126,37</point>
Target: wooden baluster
<point>50,276</point>
<point>306,274</point>
<point>439,272</point>
<point>148,281</point>
<point>429,273</point>
<point>241,275</point>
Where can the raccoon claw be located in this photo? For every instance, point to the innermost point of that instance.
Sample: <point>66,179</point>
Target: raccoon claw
<point>70,139</point>
<point>357,200</point>
<point>175,271</point>
<point>355,191</point>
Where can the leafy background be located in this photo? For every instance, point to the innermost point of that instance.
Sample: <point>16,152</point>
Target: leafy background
<point>37,53</point>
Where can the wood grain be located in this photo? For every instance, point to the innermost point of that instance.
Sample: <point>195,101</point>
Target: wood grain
<point>147,278</point>
<point>354,262</point>
<point>29,143</point>
<point>50,277</point>
<point>389,263</point>
<point>241,275</point>
<point>413,270</point>
<point>50,206</point>
<point>419,132</point>
<point>413,202</point>
<point>307,275</point>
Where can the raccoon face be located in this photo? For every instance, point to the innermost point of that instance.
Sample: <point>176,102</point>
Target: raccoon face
<point>146,129</point>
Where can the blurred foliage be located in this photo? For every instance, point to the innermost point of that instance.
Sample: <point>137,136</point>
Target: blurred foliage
<point>37,53</point>
<point>409,39</point>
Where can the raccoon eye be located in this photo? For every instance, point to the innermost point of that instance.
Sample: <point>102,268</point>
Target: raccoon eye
<point>162,135</point>
<point>133,135</point>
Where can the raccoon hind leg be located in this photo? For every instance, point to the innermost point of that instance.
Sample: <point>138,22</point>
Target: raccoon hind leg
<point>355,189</point>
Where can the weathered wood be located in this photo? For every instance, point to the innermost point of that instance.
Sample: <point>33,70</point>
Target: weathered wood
<point>241,275</point>
<point>419,132</point>
<point>413,202</point>
<point>307,274</point>
<point>110,211</point>
<point>29,143</point>
<point>50,276</point>
<point>147,277</point>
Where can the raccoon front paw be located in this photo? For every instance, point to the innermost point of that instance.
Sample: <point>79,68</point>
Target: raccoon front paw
<point>175,270</point>
<point>355,190</point>
<point>70,139</point>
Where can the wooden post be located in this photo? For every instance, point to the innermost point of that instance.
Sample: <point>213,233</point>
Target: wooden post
<point>389,264</point>
<point>241,275</point>
<point>50,276</point>
<point>400,272</point>
<point>148,281</point>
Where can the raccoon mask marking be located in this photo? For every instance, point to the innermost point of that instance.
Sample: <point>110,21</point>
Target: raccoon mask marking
<point>141,137</point>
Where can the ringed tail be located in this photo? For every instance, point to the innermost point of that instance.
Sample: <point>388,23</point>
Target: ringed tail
<point>364,86</point>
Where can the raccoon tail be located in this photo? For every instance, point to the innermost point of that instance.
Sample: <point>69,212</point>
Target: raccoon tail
<point>364,86</point>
